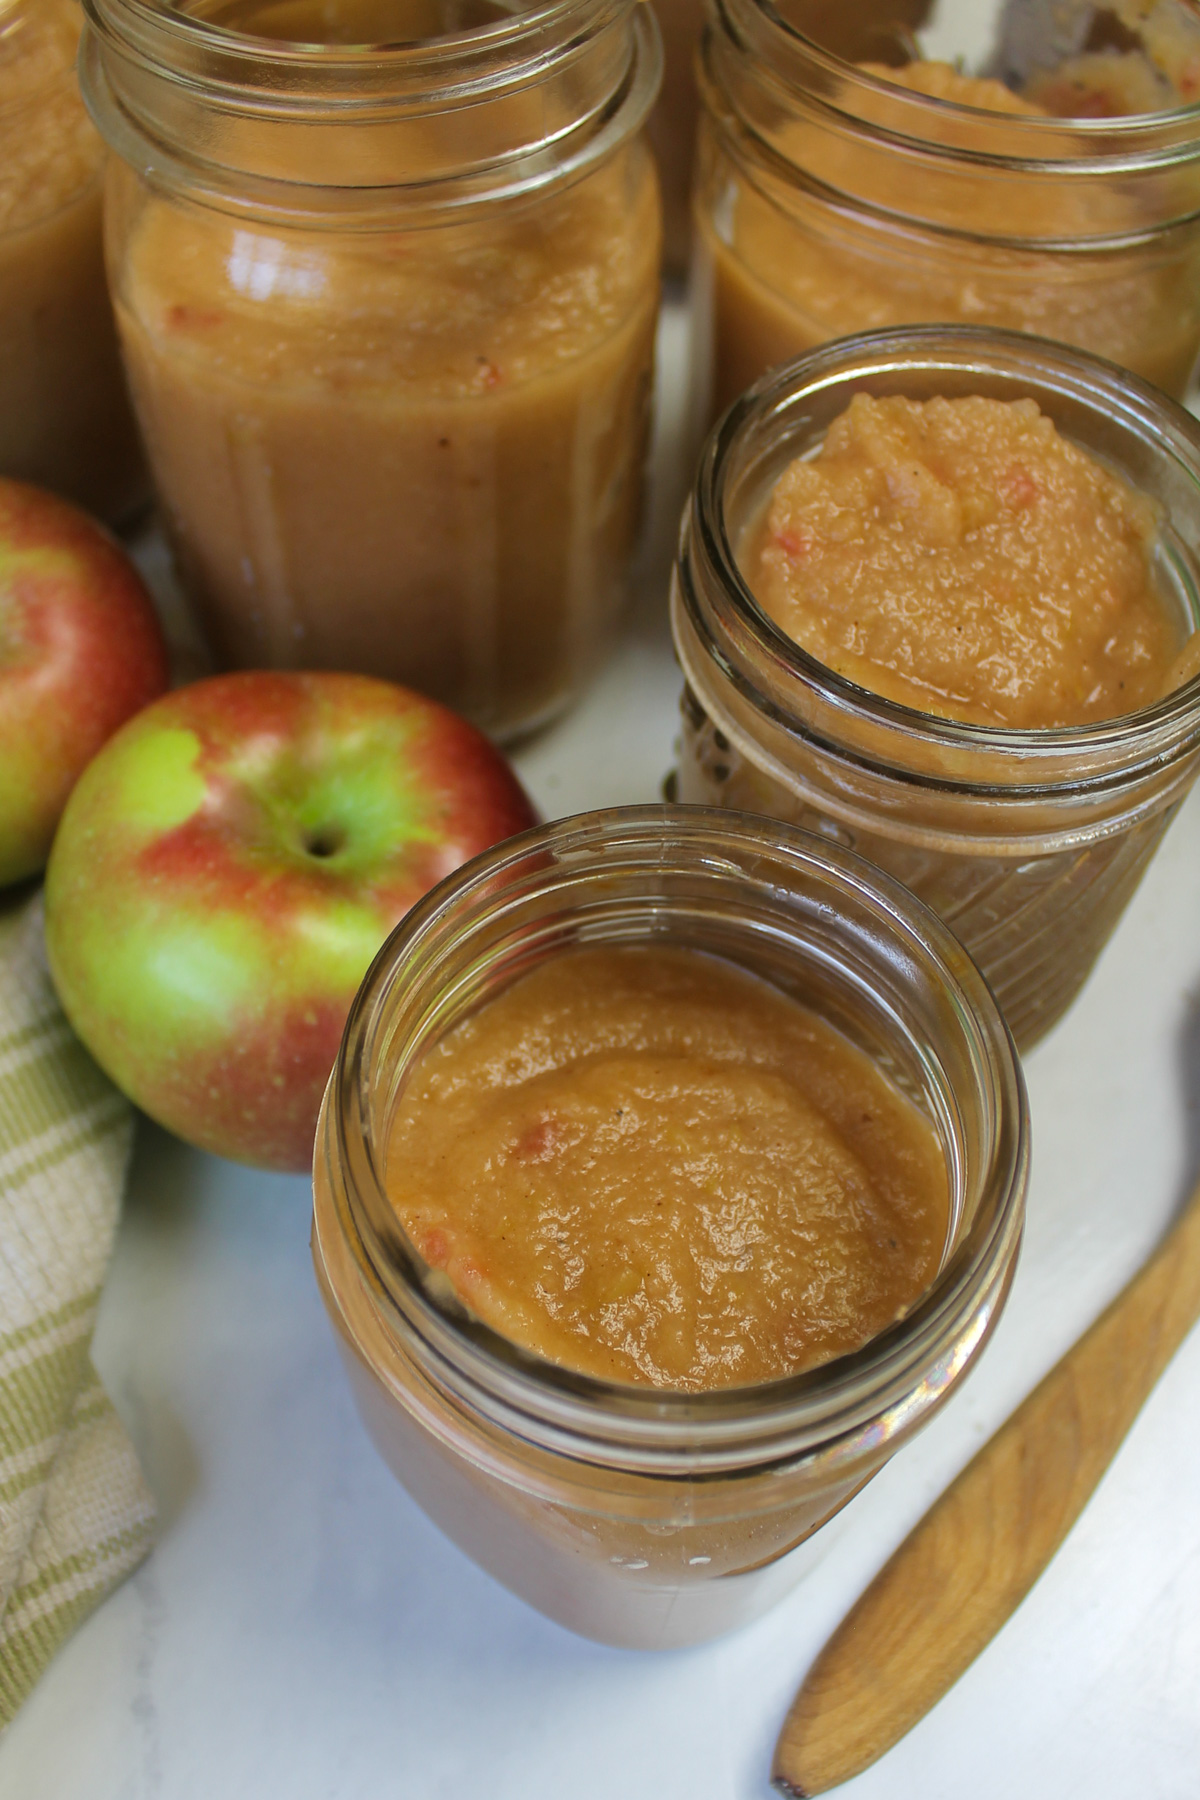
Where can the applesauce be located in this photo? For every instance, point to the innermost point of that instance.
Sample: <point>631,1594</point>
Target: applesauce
<point>394,377</point>
<point>649,1166</point>
<point>963,558</point>
<point>640,1513</point>
<point>993,769</point>
<point>846,186</point>
<point>65,421</point>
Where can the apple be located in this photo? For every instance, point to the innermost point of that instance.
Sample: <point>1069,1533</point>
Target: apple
<point>81,650</point>
<point>225,871</point>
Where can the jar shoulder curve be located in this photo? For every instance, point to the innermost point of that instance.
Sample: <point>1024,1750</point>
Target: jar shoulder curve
<point>499,296</point>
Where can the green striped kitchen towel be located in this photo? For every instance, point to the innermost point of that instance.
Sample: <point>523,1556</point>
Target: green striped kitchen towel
<point>75,1513</point>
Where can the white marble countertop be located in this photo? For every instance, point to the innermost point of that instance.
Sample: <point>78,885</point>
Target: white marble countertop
<point>302,1630</point>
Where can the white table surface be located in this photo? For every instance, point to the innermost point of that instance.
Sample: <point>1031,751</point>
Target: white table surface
<point>303,1631</point>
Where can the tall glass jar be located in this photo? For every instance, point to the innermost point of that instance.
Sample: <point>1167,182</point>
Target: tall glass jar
<point>672,126</point>
<point>1028,843</point>
<point>65,419</point>
<point>641,1515</point>
<point>832,199</point>
<point>388,313</point>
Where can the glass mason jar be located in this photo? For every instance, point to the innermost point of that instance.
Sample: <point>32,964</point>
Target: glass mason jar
<point>65,419</point>
<point>1028,843</point>
<point>831,199</point>
<point>672,125</point>
<point>388,313</point>
<point>640,1515</point>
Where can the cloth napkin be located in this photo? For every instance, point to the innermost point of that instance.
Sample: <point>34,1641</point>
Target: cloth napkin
<point>75,1513</point>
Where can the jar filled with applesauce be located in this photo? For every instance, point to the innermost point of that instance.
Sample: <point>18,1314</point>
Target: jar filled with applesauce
<point>1029,164</point>
<point>672,124</point>
<point>386,280</point>
<point>1028,842</point>
<point>629,1510</point>
<point>65,419</point>
<point>671,128</point>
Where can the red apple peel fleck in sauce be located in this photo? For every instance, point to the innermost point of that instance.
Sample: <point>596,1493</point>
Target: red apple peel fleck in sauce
<point>650,1166</point>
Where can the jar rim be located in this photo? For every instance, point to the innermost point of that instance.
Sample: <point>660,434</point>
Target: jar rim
<point>665,1429</point>
<point>1169,726</point>
<point>173,25</point>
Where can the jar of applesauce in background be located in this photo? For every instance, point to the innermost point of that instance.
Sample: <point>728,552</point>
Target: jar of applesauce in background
<point>1030,165</point>
<point>672,125</point>
<point>1027,842</point>
<point>388,313</point>
<point>864,27</point>
<point>65,420</point>
<point>640,1514</point>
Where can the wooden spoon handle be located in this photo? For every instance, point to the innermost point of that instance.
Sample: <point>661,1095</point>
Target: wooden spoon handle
<point>979,1549</point>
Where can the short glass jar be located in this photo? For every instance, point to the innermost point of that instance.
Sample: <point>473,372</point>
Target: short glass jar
<point>639,1515</point>
<point>388,313</point>
<point>1028,843</point>
<point>832,200</point>
<point>65,419</point>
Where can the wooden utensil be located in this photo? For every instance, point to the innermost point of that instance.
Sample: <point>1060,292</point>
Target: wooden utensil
<point>979,1549</point>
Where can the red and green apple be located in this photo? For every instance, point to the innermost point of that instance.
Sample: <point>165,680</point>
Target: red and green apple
<point>81,650</point>
<point>224,873</point>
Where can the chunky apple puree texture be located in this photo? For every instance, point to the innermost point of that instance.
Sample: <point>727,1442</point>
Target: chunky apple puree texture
<point>649,1165</point>
<point>784,284</point>
<point>65,421</point>
<point>961,557</point>
<point>415,452</point>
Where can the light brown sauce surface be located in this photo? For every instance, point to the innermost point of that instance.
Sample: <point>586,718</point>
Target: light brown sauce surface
<point>961,557</point>
<point>941,81</point>
<point>650,1166</point>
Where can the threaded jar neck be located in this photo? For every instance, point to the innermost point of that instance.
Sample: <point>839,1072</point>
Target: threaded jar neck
<point>499,111</point>
<point>791,112</point>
